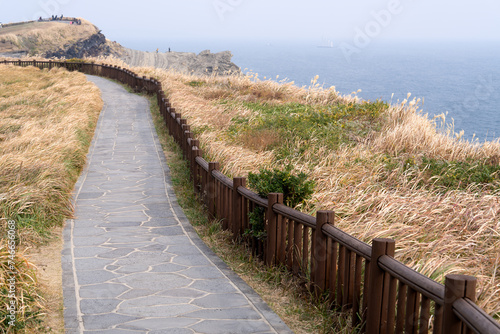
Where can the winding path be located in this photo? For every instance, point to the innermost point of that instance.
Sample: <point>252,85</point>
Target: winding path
<point>132,263</point>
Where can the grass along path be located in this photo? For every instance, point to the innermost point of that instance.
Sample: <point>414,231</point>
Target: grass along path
<point>46,125</point>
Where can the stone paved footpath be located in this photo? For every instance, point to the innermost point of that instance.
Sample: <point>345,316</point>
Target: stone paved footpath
<point>132,263</point>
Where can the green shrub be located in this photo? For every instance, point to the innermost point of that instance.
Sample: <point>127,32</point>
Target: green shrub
<point>460,174</point>
<point>448,175</point>
<point>313,125</point>
<point>295,189</point>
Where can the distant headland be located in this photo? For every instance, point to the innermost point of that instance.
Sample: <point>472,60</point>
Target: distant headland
<point>69,37</point>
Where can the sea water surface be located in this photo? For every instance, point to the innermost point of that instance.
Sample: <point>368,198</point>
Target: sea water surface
<point>460,79</point>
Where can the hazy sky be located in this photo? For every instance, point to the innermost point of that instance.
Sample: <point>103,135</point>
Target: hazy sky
<point>355,20</point>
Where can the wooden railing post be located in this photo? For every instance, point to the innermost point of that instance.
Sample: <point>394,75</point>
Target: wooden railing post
<point>237,218</point>
<point>190,155</point>
<point>177,122</point>
<point>318,273</point>
<point>196,153</point>
<point>455,287</point>
<point>378,305</point>
<point>171,121</point>
<point>188,135</point>
<point>212,189</point>
<point>182,124</point>
<point>272,228</point>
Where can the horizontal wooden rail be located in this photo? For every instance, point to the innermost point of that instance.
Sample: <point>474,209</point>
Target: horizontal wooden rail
<point>202,163</point>
<point>474,317</point>
<point>413,279</point>
<point>297,216</point>
<point>222,179</point>
<point>250,195</point>
<point>347,240</point>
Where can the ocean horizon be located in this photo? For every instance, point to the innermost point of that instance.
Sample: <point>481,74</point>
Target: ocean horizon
<point>459,79</point>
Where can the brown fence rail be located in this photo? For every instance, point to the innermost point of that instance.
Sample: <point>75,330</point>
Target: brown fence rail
<point>382,294</point>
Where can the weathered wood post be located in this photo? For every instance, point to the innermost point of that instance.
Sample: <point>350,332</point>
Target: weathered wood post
<point>171,121</point>
<point>177,123</point>
<point>182,124</point>
<point>159,98</point>
<point>212,189</point>
<point>190,155</point>
<point>271,228</point>
<point>188,135</point>
<point>196,153</point>
<point>237,217</point>
<point>379,287</point>
<point>318,273</point>
<point>456,287</point>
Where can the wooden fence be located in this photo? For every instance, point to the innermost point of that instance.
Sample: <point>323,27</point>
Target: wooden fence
<point>382,294</point>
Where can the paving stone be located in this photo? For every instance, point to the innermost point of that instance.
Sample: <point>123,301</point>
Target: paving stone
<point>133,268</point>
<point>183,292</point>
<point>213,286</point>
<point>225,300</point>
<point>120,223</point>
<point>169,230</point>
<point>138,257</point>
<point>106,321</point>
<point>160,323</point>
<point>106,290</point>
<point>192,260</point>
<point>98,306</point>
<point>86,277</point>
<point>172,331</point>
<point>90,195</point>
<point>88,231</point>
<point>89,241</point>
<point>162,281</point>
<point>111,331</point>
<point>231,327</point>
<point>160,222</point>
<point>154,248</point>
<point>246,313</point>
<point>166,311</point>
<point>92,263</point>
<point>116,253</point>
<point>203,272</point>
<point>92,251</point>
<point>168,268</point>
<point>154,301</point>
<point>138,293</point>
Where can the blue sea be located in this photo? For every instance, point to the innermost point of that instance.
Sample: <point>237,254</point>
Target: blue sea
<point>460,79</point>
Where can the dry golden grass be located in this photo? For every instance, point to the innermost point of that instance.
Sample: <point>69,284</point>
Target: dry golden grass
<point>436,232</point>
<point>46,124</point>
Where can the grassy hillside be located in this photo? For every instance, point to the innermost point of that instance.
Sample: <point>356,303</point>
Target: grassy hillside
<point>37,38</point>
<point>47,120</point>
<point>386,170</point>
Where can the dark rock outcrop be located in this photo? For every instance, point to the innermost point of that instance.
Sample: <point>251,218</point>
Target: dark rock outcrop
<point>94,46</point>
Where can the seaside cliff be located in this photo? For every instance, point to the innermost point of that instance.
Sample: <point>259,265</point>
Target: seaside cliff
<point>63,39</point>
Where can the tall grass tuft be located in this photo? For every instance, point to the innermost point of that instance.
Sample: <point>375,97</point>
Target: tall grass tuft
<point>46,124</point>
